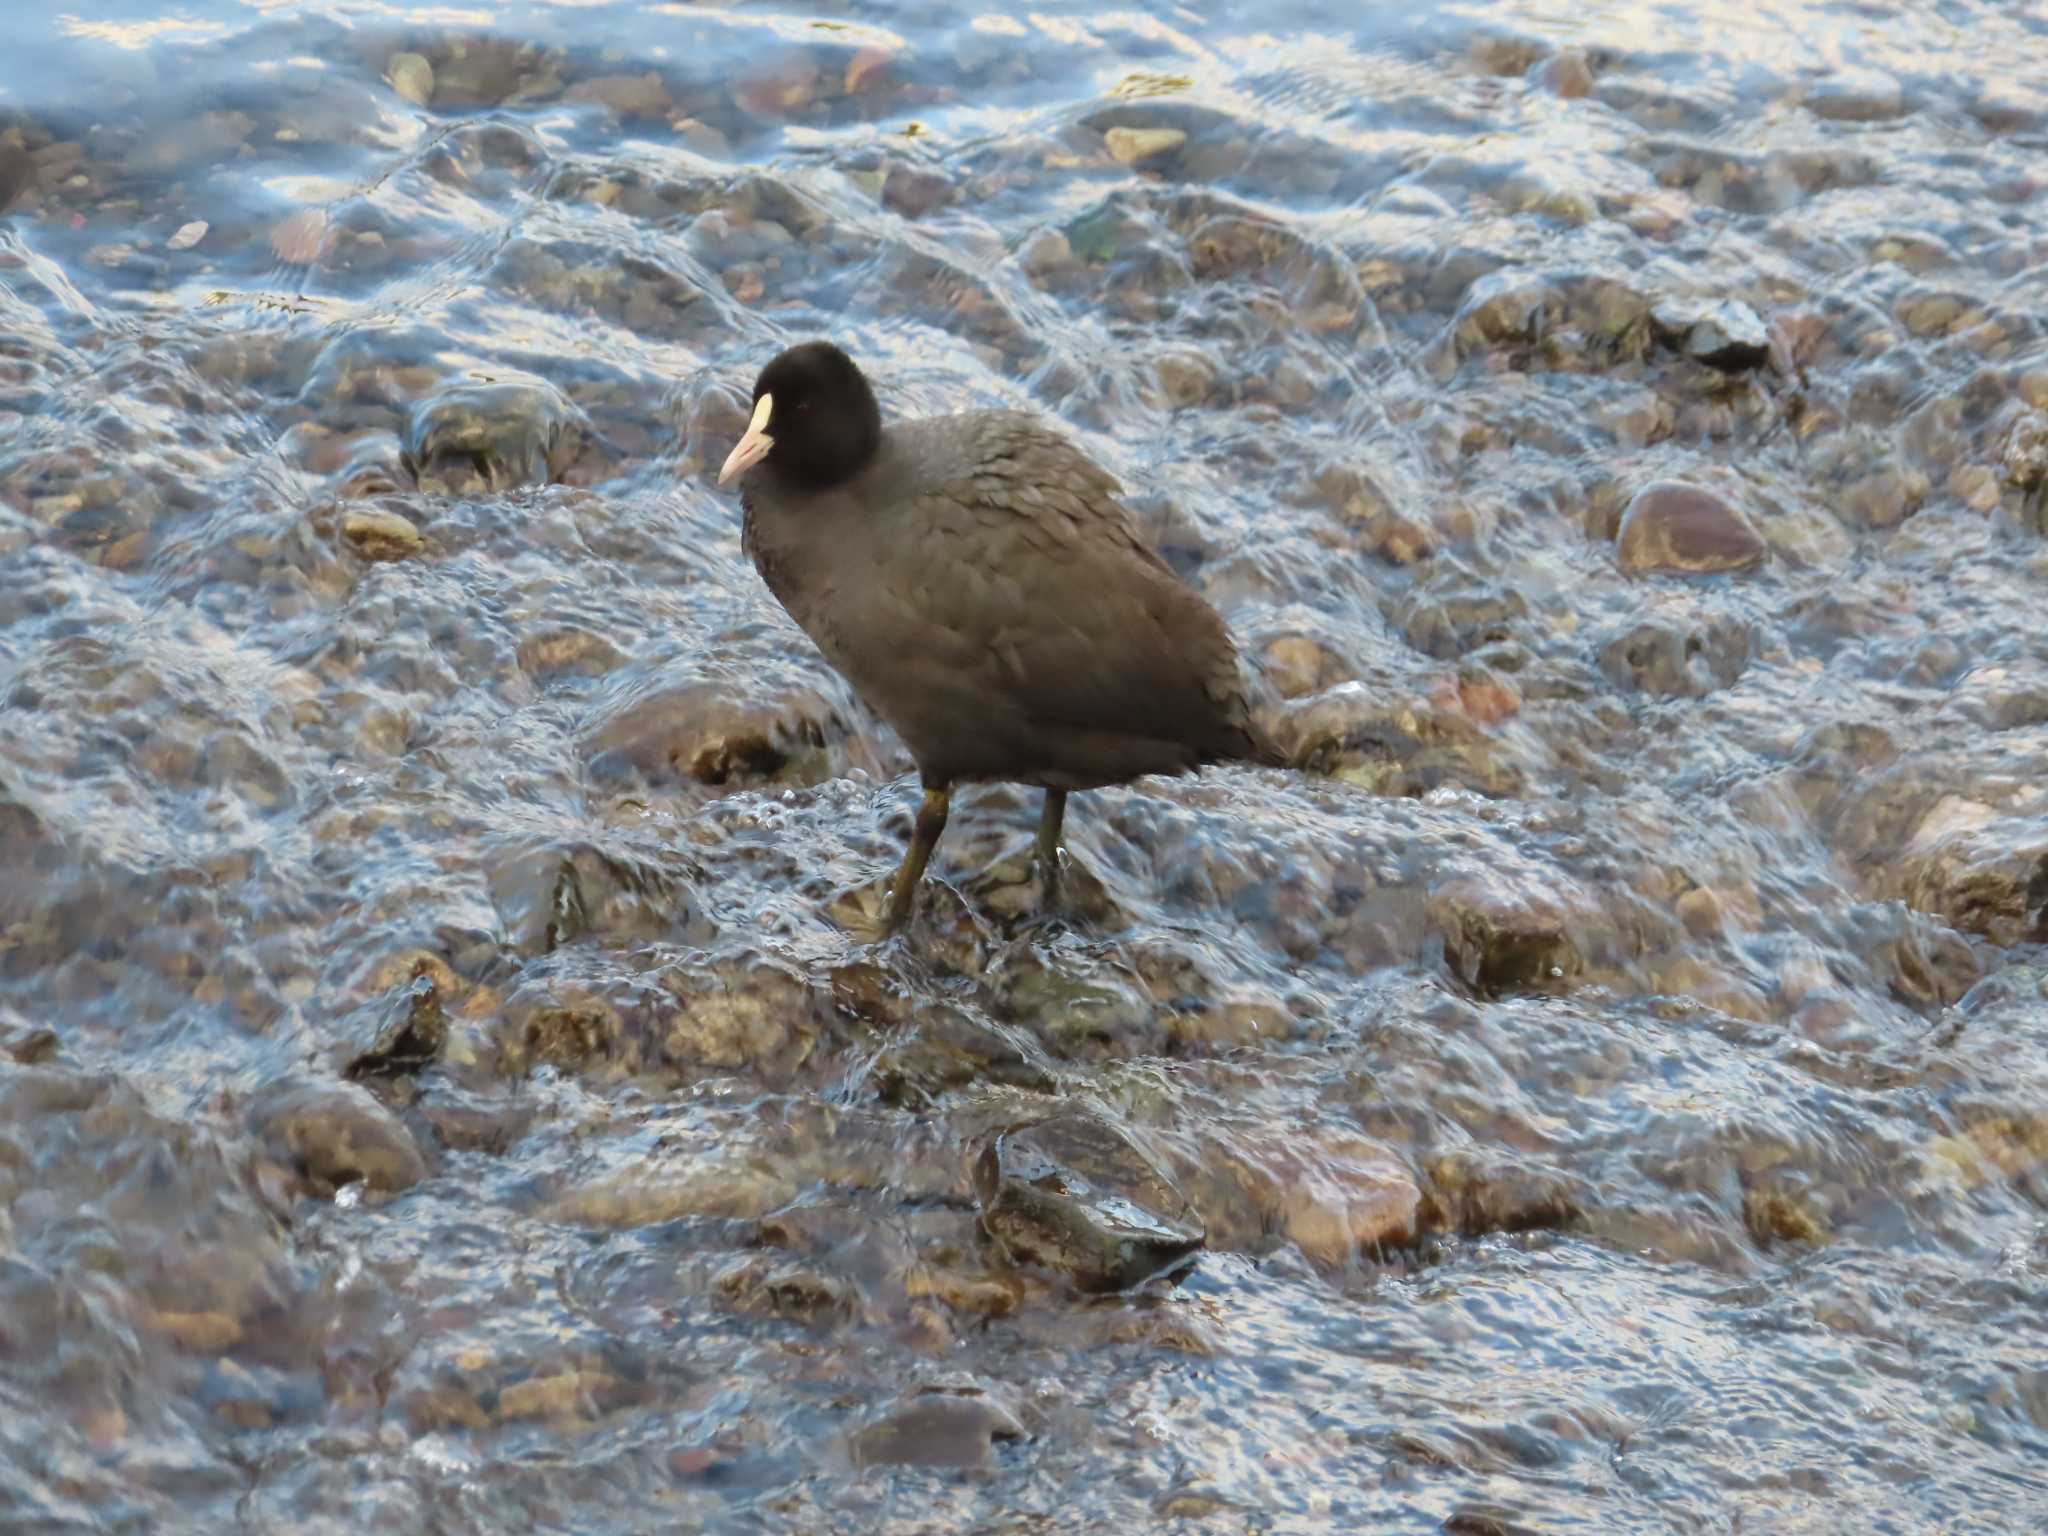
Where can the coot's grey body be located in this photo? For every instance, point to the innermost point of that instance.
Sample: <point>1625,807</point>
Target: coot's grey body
<point>976,580</point>
<point>981,588</point>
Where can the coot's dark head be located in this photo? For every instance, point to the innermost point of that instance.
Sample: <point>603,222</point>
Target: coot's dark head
<point>815,422</point>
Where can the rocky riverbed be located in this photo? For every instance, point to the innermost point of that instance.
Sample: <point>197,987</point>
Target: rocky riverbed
<point>449,1078</point>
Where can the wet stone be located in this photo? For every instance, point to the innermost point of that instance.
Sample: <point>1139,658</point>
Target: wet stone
<point>644,95</point>
<point>1473,1192</point>
<point>26,1044</point>
<point>1080,1012</point>
<point>757,1018</point>
<point>1131,146</point>
<point>1186,378</point>
<point>1503,934</point>
<point>1778,1211</point>
<point>1046,253</point>
<point>1074,1194</point>
<point>1978,872</point>
<point>712,733</point>
<point>790,1289</point>
<point>2008,105</point>
<point>1854,96</point>
<point>2023,457</point>
<point>1195,1501</point>
<point>378,534</point>
<point>915,191</point>
<point>336,1134</point>
<point>558,894</point>
<point>1347,1197</point>
<point>17,172</point>
<point>476,71</point>
<point>975,1294</point>
<point>463,1121</point>
<point>1293,665</point>
<point>1565,73</point>
<point>1934,313</point>
<point>946,1048</point>
<point>1397,539</point>
<point>937,1429</point>
<point>561,1397</point>
<point>1725,333</point>
<point>568,650</point>
<point>1675,527</point>
<point>491,437</point>
<point>1392,745</point>
<point>1504,310</point>
<point>1885,498</point>
<point>411,76</point>
<point>406,1033</point>
<point>1678,651</point>
<point>673,1187</point>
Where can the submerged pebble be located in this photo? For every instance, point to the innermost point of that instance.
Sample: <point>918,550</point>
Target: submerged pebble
<point>1672,526</point>
<point>335,1134</point>
<point>412,76</point>
<point>1074,1194</point>
<point>379,534</point>
<point>1724,334</point>
<point>1132,145</point>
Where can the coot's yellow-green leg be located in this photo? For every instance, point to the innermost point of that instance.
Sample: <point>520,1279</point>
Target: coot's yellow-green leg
<point>931,821</point>
<point>1049,823</point>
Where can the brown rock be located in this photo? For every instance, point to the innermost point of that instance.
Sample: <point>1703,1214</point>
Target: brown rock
<point>914,190</point>
<point>983,1295</point>
<point>16,171</point>
<point>562,1396</point>
<point>1975,870</point>
<point>1487,697</point>
<point>1475,1192</point>
<point>716,734</point>
<point>2023,457</point>
<point>937,1429</point>
<point>1501,935</point>
<point>870,64</point>
<point>1781,1213</point>
<point>1398,540</point>
<point>1293,665</point>
<point>1131,145</point>
<point>376,534</point>
<point>568,650</point>
<point>1855,96</point>
<point>643,1194</point>
<point>1347,1195</point>
<point>335,1134</point>
<point>1671,526</point>
<point>628,95</point>
<point>1074,1193</point>
<point>198,1333</point>
<point>1565,73</point>
<point>411,76</point>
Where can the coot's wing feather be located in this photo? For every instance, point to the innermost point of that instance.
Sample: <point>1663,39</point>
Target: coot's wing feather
<point>1027,583</point>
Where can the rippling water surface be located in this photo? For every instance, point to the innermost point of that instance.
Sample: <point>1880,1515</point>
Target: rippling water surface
<point>448,1079</point>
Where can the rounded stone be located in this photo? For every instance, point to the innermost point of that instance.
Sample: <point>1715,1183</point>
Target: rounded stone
<point>1672,526</point>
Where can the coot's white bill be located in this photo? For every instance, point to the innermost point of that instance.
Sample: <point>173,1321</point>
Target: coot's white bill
<point>752,448</point>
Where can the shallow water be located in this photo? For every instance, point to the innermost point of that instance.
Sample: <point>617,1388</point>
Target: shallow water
<point>447,1082</point>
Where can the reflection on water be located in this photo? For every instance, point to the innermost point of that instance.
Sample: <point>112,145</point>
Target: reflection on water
<point>445,1081</point>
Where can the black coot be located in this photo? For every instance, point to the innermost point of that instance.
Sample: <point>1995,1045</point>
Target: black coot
<point>977,582</point>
